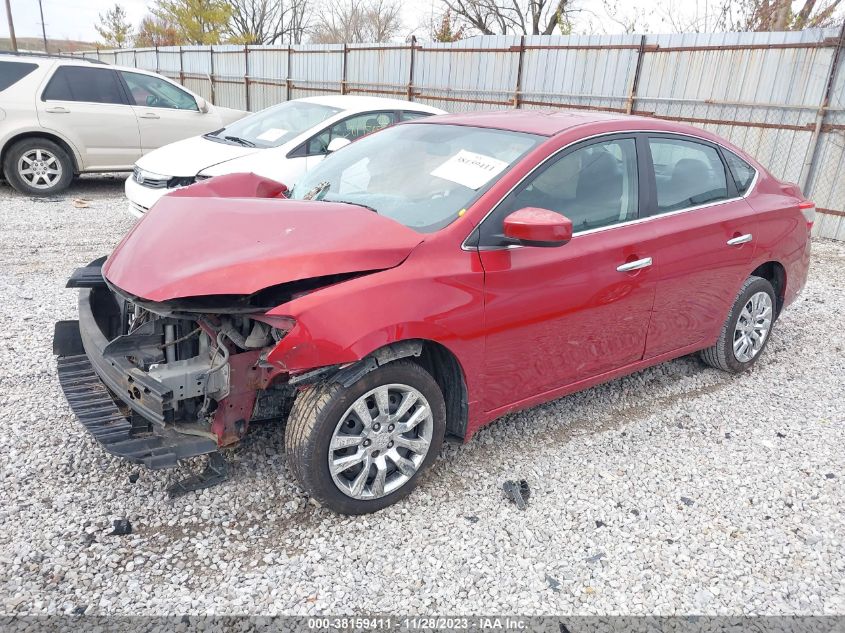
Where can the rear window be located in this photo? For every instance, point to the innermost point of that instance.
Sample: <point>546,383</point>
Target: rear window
<point>12,72</point>
<point>742,172</point>
<point>687,174</point>
<point>410,116</point>
<point>91,85</point>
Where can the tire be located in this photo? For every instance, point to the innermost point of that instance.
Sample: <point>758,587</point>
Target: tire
<point>55,167</point>
<point>323,412</point>
<point>723,354</point>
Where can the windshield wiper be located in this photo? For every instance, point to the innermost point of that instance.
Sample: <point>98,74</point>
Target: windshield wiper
<point>240,141</point>
<point>317,192</point>
<point>357,204</point>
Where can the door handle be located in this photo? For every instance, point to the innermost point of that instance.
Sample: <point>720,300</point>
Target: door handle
<point>148,115</point>
<point>635,265</point>
<point>57,110</point>
<point>741,239</point>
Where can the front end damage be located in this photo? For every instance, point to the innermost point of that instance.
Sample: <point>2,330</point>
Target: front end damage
<point>155,383</point>
<point>177,349</point>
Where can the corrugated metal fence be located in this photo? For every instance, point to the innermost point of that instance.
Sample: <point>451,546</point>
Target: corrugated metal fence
<point>779,96</point>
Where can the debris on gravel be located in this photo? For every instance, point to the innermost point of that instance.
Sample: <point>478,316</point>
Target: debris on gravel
<point>764,535</point>
<point>517,492</point>
<point>122,527</point>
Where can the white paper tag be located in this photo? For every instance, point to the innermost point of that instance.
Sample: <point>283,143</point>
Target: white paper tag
<point>470,169</point>
<point>273,134</point>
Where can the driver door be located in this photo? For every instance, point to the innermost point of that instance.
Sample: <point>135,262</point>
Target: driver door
<point>350,128</point>
<point>165,112</point>
<point>557,315</point>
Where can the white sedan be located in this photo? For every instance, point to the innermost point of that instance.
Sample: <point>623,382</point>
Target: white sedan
<point>281,142</point>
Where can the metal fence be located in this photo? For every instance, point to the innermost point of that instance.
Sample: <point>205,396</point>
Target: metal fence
<point>779,96</point>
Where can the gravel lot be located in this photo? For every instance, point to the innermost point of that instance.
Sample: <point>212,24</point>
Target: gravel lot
<point>677,490</point>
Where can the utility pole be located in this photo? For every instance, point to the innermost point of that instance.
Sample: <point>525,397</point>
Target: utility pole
<point>43,28</point>
<point>11,26</point>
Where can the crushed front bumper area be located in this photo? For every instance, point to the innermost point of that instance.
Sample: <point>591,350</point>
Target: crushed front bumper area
<point>121,434</point>
<point>126,410</point>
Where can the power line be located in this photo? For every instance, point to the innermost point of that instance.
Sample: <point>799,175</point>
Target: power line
<point>11,26</point>
<point>43,28</point>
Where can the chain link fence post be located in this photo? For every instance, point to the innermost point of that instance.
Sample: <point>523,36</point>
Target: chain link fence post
<point>809,169</point>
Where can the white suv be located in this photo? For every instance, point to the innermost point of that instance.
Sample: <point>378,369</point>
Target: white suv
<point>63,116</point>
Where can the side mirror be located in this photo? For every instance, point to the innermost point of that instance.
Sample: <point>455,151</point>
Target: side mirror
<point>337,143</point>
<point>202,104</point>
<point>538,227</point>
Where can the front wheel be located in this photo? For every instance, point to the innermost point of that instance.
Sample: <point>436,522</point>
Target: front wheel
<point>38,167</point>
<point>745,333</point>
<point>362,448</point>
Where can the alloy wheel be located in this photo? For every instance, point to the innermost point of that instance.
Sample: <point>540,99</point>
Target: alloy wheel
<point>752,327</point>
<point>381,441</point>
<point>40,168</point>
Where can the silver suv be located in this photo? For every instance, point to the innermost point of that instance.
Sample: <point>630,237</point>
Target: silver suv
<point>63,116</point>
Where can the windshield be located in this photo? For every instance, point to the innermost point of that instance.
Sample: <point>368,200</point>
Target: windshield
<point>277,125</point>
<point>422,175</point>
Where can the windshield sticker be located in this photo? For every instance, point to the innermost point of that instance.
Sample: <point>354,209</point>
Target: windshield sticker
<point>273,134</point>
<point>470,169</point>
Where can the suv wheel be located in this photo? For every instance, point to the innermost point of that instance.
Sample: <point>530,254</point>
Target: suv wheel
<point>746,331</point>
<point>362,448</point>
<point>38,167</point>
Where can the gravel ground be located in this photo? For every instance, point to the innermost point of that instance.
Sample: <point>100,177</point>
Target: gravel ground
<point>677,490</point>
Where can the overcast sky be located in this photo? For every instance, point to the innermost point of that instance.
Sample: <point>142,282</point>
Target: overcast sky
<point>75,19</point>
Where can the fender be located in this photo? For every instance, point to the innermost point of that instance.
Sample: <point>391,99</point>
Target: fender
<point>28,131</point>
<point>300,350</point>
<point>348,321</point>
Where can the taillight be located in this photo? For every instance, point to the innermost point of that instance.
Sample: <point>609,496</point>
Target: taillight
<point>808,209</point>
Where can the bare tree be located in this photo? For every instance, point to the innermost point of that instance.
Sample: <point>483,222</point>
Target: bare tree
<point>357,21</point>
<point>631,20</point>
<point>751,15</point>
<point>267,21</point>
<point>530,17</point>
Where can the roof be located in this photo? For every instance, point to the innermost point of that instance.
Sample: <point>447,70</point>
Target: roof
<point>551,122</point>
<point>50,56</point>
<point>363,103</point>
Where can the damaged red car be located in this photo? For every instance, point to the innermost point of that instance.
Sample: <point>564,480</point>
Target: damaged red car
<point>422,282</point>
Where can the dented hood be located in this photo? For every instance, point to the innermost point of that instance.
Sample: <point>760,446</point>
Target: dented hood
<point>197,246</point>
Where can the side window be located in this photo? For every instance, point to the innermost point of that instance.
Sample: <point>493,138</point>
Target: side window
<point>352,128</point>
<point>742,172</point>
<point>410,116</point>
<point>687,174</point>
<point>13,72</point>
<point>594,186</point>
<point>154,92</point>
<point>77,83</point>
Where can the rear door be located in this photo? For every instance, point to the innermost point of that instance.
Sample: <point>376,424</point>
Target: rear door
<point>705,238</point>
<point>555,316</point>
<point>165,112</point>
<point>89,106</point>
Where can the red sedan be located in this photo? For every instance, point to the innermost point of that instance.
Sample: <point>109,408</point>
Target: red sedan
<point>424,281</point>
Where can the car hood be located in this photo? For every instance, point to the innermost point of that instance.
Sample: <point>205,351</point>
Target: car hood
<point>191,247</point>
<point>190,156</point>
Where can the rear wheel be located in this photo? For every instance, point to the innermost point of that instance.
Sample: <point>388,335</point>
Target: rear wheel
<point>362,448</point>
<point>745,333</point>
<point>38,167</point>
